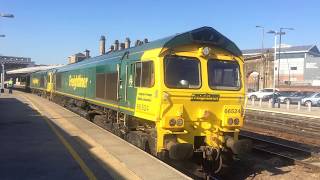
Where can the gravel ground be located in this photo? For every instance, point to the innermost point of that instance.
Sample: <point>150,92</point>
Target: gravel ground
<point>286,173</point>
<point>299,138</point>
<point>256,166</point>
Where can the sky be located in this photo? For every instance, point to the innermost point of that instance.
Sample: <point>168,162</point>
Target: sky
<point>50,31</point>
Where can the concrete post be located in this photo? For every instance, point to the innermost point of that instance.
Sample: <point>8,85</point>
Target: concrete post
<point>270,103</point>
<point>2,79</point>
<point>299,105</point>
<point>309,107</point>
<point>252,101</point>
<point>260,102</point>
<point>288,105</point>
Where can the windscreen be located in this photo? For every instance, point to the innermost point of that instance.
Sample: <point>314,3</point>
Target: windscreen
<point>223,75</point>
<point>182,72</point>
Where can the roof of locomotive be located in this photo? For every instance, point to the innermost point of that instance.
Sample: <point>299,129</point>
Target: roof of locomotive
<point>203,35</point>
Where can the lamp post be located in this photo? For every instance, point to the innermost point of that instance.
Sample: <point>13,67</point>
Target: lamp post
<point>282,33</point>
<point>274,70</point>
<point>262,56</point>
<point>2,78</point>
<point>262,40</point>
<point>6,15</point>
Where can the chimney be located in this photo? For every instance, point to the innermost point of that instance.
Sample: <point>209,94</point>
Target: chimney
<point>127,43</point>
<point>145,41</point>
<point>116,45</point>
<point>102,47</point>
<point>137,43</point>
<point>122,46</point>
<point>87,53</point>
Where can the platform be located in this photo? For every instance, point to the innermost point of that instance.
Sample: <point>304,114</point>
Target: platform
<point>293,109</point>
<point>42,140</point>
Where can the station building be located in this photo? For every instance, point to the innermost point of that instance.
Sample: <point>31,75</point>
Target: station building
<point>78,57</point>
<point>299,67</point>
<point>13,62</point>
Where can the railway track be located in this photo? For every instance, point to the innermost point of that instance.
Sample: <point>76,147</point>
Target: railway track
<point>305,126</point>
<point>293,154</point>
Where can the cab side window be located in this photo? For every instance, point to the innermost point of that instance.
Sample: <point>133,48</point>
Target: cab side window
<point>144,74</point>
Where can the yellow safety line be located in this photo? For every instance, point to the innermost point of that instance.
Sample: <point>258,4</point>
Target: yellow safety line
<point>68,146</point>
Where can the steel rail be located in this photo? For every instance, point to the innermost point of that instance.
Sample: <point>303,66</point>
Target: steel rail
<point>285,153</point>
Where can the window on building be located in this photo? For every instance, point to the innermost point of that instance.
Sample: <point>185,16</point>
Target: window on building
<point>294,68</point>
<point>144,74</point>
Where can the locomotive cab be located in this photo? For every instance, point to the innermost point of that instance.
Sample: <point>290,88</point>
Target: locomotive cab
<point>202,105</point>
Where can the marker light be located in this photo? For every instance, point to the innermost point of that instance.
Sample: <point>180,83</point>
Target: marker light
<point>172,122</point>
<point>230,121</point>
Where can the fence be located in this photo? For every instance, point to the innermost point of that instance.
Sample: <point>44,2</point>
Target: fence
<point>283,106</point>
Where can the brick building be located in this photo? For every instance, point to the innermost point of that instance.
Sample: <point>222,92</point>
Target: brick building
<point>299,66</point>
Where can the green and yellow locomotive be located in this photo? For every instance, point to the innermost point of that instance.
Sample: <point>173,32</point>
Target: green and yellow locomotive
<point>176,96</point>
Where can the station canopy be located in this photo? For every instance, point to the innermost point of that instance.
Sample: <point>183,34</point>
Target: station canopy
<point>33,69</point>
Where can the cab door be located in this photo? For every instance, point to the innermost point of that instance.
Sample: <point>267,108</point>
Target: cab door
<point>126,87</point>
<point>50,81</point>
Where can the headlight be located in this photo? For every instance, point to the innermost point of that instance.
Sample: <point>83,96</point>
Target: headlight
<point>205,51</point>
<point>180,122</point>
<point>230,121</point>
<point>172,122</point>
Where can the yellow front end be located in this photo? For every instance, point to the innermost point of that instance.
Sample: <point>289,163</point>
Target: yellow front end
<point>200,114</point>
